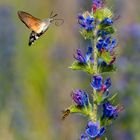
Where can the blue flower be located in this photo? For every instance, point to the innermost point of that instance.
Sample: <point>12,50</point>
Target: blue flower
<point>102,131</point>
<point>102,33</point>
<point>96,82</point>
<point>84,137</point>
<point>80,97</point>
<point>93,130</point>
<point>109,111</point>
<point>107,83</point>
<point>107,22</point>
<point>79,57</point>
<point>97,4</point>
<point>86,21</point>
<point>107,44</point>
<point>84,60</point>
<point>113,44</point>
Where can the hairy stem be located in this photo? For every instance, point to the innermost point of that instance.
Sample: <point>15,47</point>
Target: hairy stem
<point>95,67</point>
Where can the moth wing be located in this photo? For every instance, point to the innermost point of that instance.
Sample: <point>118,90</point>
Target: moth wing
<point>30,21</point>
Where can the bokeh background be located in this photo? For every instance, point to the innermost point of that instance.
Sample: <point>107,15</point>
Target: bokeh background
<point>35,82</point>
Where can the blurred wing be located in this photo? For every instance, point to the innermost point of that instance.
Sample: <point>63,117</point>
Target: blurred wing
<point>31,22</point>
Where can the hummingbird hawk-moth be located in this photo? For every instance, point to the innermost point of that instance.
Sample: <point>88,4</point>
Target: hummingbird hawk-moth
<point>38,26</point>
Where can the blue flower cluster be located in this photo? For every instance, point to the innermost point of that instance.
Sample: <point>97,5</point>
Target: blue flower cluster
<point>107,22</point>
<point>107,44</point>
<point>97,83</point>
<point>84,59</point>
<point>80,97</point>
<point>97,26</point>
<point>97,4</point>
<point>86,21</point>
<point>93,130</point>
<point>110,111</point>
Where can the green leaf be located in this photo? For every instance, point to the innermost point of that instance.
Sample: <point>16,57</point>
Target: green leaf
<point>87,110</point>
<point>112,98</point>
<point>78,66</point>
<point>99,99</point>
<point>86,35</point>
<point>110,29</point>
<point>105,122</point>
<point>84,67</point>
<point>103,13</point>
<point>106,57</point>
<point>108,122</point>
<point>107,68</point>
<point>76,109</point>
<point>106,30</point>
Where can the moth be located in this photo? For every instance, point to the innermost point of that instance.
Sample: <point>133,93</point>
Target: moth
<point>36,25</point>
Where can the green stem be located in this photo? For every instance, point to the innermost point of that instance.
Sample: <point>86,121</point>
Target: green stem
<point>95,67</point>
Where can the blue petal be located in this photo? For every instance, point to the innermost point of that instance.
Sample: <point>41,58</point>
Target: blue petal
<point>107,82</point>
<point>80,17</point>
<point>102,33</point>
<point>82,24</point>
<point>109,111</point>
<point>107,22</point>
<point>92,129</point>
<point>100,44</point>
<point>113,44</point>
<point>102,131</point>
<point>89,54</point>
<point>79,57</point>
<point>84,137</point>
<point>80,97</point>
<point>89,20</point>
<point>96,82</point>
<point>86,23</point>
<point>98,3</point>
<point>89,27</point>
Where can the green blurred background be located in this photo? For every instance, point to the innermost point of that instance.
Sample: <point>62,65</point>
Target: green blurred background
<point>35,82</point>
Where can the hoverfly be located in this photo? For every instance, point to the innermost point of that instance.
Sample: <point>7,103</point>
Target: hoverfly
<point>65,114</point>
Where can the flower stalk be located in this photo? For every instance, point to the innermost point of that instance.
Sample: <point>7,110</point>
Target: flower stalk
<point>96,26</point>
<point>95,67</point>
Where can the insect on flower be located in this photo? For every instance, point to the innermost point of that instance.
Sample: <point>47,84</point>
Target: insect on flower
<point>65,114</point>
<point>38,26</point>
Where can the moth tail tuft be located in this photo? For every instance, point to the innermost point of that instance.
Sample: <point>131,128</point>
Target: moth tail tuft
<point>33,36</point>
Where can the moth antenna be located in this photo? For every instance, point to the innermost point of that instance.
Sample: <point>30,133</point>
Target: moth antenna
<point>54,15</point>
<point>51,14</point>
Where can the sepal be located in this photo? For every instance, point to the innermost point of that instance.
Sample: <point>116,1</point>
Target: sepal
<point>87,35</point>
<point>106,56</point>
<point>83,67</point>
<point>103,13</point>
<point>86,110</point>
<point>107,68</point>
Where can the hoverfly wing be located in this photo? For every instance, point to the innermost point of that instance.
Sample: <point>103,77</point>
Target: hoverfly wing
<point>30,21</point>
